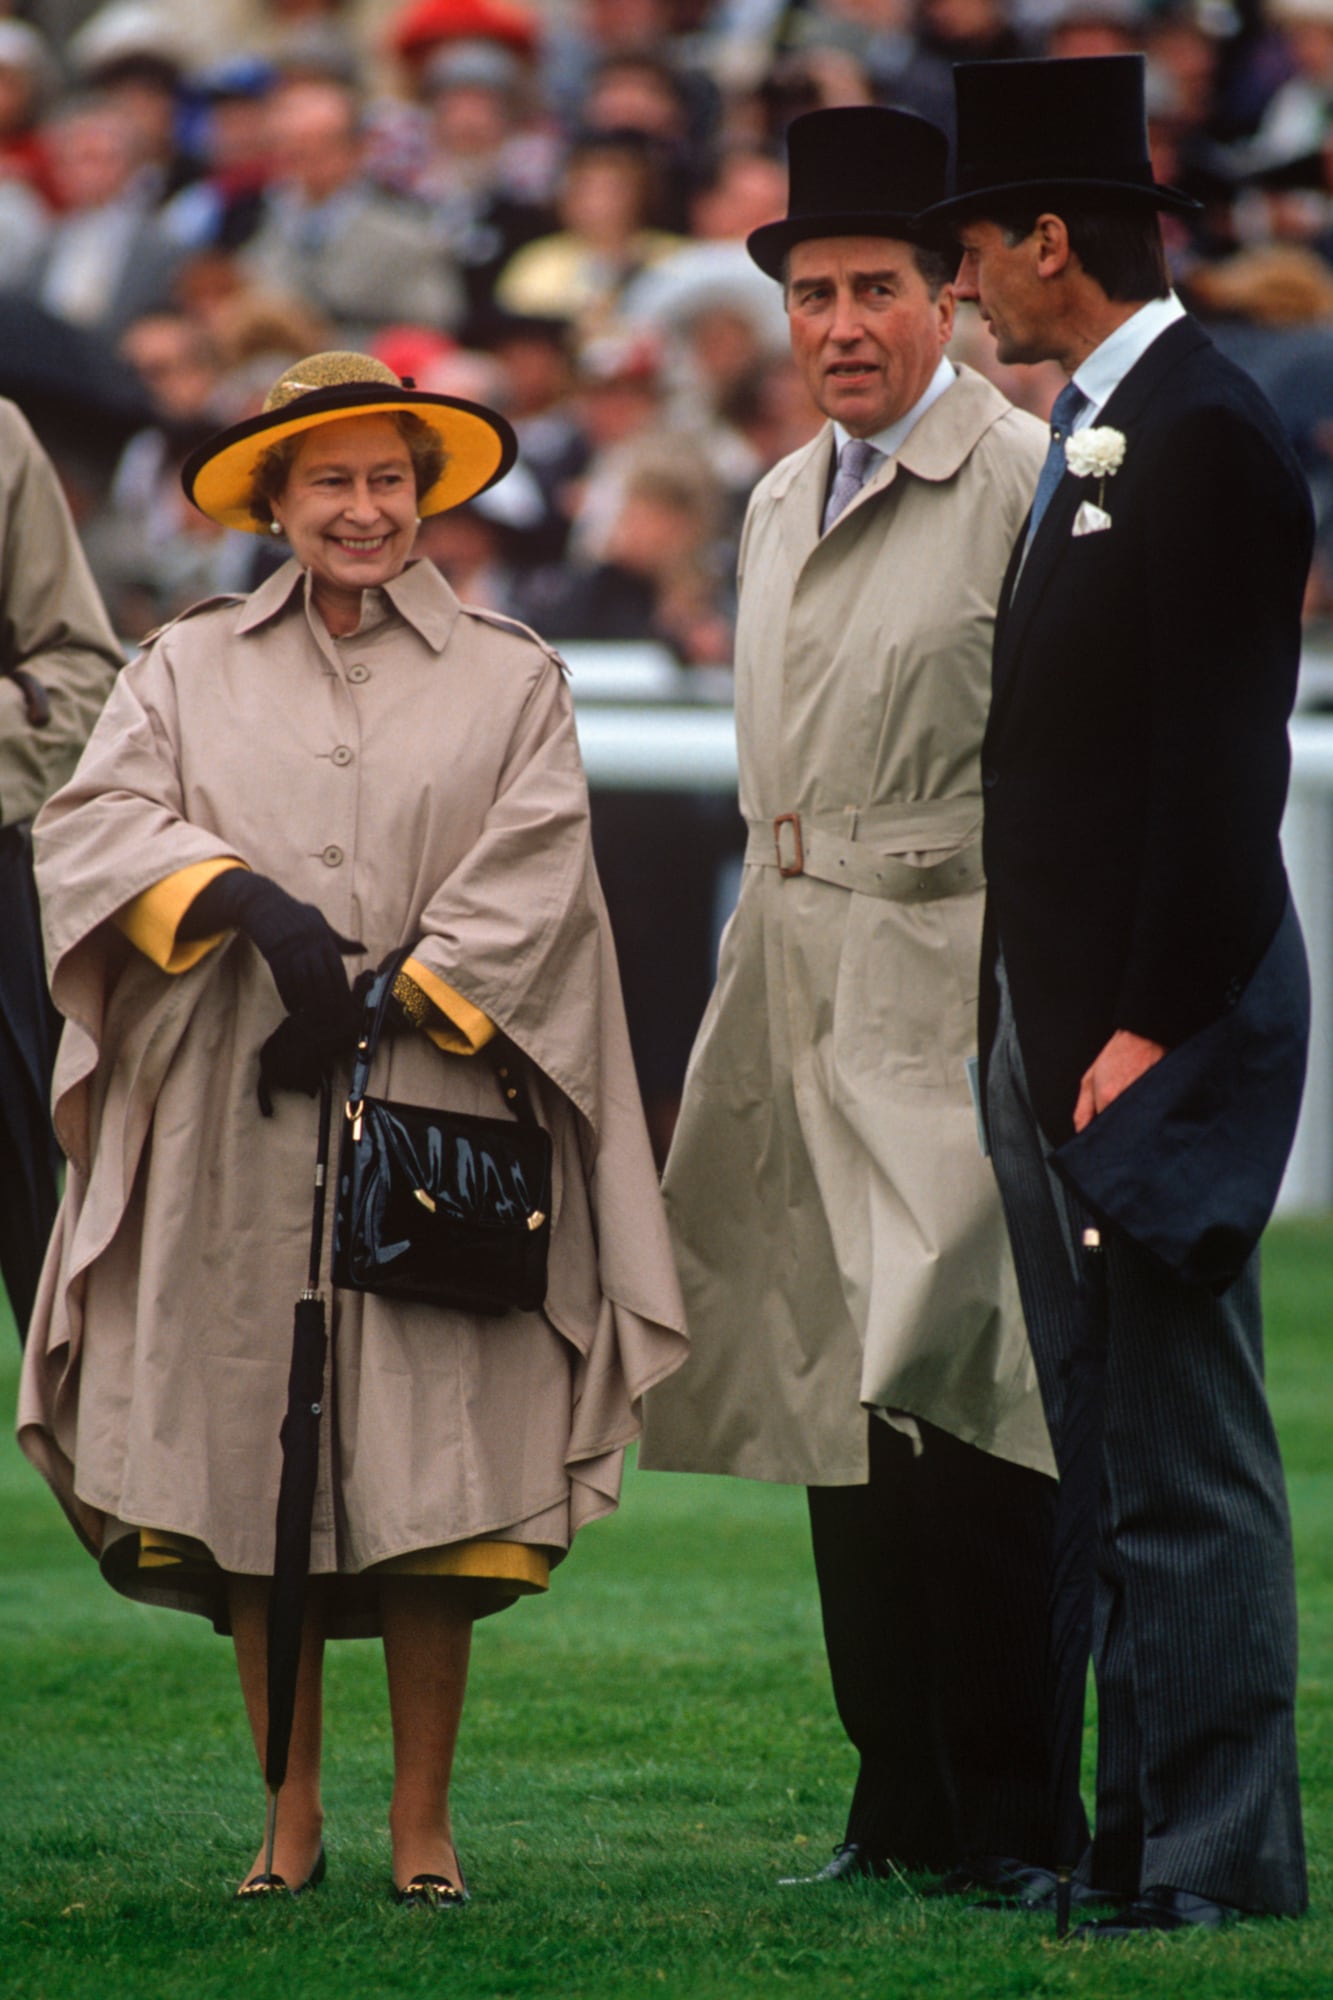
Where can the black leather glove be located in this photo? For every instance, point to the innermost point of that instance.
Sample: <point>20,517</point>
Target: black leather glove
<point>304,1047</point>
<point>302,950</point>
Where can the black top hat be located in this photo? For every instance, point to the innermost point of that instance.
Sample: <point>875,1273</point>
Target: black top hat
<point>1061,126</point>
<point>856,170</point>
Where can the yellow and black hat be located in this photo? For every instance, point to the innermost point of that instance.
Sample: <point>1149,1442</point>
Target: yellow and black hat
<point>479,445</point>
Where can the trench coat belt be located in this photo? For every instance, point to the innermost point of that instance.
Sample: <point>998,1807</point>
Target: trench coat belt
<point>794,847</point>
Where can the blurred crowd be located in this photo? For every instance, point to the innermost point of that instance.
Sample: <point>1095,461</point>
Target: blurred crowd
<point>542,205</point>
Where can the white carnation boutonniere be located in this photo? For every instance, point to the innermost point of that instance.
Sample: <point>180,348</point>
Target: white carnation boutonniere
<point>1096,453</point>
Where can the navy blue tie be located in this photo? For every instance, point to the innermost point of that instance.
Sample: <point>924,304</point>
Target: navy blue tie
<point>1064,413</point>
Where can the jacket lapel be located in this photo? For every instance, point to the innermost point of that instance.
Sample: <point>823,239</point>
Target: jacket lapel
<point>1025,582</point>
<point>802,492</point>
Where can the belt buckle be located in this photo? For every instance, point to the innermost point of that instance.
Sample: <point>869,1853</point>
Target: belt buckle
<point>796,866</point>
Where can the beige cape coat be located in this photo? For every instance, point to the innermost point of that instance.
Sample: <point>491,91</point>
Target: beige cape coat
<point>54,626</point>
<point>838,1234</point>
<point>420,782</point>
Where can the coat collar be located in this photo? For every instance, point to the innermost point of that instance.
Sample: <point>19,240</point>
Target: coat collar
<point>1124,410</point>
<point>934,449</point>
<point>419,594</point>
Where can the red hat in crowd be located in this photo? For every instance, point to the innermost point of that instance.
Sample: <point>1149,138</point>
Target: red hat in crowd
<point>424,24</point>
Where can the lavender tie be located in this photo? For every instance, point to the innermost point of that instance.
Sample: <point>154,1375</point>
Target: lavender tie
<point>856,461</point>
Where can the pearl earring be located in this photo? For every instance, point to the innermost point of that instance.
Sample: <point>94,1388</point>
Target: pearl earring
<point>273,528</point>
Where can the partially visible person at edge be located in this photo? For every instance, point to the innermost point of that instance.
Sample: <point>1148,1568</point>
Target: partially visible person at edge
<point>1135,767</point>
<point>58,660</point>
<point>283,786</point>
<point>852,1306</point>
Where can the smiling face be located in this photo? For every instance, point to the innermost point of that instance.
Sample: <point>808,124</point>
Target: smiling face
<point>349,507</point>
<point>866,333</point>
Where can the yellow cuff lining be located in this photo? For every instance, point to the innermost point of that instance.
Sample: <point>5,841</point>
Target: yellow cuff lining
<point>466,1029</point>
<point>150,920</point>
<point>526,1569</point>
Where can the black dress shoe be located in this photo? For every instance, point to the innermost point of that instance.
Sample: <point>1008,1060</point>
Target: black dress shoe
<point>999,1874</point>
<point>1044,1901</point>
<point>852,1862</point>
<point>1160,1909</point>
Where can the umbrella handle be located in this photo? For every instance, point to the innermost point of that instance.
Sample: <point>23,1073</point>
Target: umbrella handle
<point>321,1177</point>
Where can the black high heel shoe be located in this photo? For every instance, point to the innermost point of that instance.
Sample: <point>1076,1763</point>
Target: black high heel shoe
<point>260,1886</point>
<point>433,1892</point>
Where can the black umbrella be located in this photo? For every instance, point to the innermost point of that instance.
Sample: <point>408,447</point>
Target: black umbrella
<point>296,1495</point>
<point>1078,1452</point>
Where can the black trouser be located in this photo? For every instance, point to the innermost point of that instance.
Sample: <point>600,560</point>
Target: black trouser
<point>1195,1615</point>
<point>932,1582</point>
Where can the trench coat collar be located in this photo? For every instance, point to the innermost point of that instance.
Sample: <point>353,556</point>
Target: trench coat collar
<point>419,594</point>
<point>941,441</point>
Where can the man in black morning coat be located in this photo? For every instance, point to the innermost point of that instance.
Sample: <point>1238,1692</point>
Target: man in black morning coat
<point>1141,964</point>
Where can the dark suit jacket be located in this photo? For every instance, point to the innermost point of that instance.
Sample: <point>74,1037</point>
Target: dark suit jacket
<point>1135,763</point>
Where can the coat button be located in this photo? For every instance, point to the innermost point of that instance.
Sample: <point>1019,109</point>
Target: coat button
<point>342,755</point>
<point>333,856</point>
<point>358,673</point>
<point>989,780</point>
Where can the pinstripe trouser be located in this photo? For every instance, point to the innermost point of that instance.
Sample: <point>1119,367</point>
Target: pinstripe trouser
<point>1195,1639</point>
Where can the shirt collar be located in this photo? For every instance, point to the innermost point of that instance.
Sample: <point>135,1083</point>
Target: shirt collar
<point>892,438</point>
<point>1100,374</point>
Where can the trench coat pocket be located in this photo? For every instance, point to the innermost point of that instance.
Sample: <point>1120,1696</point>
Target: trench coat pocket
<point>905,1003</point>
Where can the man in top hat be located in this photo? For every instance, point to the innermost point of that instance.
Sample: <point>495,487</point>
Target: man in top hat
<point>1143,986</point>
<point>853,1309</point>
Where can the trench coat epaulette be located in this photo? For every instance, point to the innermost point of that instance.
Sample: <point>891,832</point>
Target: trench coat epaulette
<point>190,611</point>
<point>506,624</point>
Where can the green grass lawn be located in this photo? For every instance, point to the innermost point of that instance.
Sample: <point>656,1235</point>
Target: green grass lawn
<point>643,1754</point>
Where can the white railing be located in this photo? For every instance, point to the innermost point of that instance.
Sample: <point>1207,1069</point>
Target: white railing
<point>647,724</point>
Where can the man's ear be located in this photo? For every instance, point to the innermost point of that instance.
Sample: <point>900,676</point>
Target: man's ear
<point>1053,251</point>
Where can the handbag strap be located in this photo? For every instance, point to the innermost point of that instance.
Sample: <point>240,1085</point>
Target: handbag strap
<point>500,1052</point>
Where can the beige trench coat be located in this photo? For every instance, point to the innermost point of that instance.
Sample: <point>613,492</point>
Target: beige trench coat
<point>420,782</point>
<point>838,1234</point>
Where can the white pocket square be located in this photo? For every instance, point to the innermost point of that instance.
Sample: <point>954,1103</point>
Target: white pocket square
<point>1090,520</point>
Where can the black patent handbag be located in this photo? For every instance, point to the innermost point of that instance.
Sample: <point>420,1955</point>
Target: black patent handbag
<point>441,1206</point>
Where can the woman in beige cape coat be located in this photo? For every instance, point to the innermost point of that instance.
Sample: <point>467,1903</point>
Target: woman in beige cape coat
<point>408,767</point>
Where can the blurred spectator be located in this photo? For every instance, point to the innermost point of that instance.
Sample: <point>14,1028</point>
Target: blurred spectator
<point>654,572</point>
<point>642,91</point>
<point>133,54</point>
<point>358,255</point>
<point>147,558</point>
<point>489,175</point>
<point>29,81</point>
<point>773,412</point>
<point>223,207</point>
<point>607,204</point>
<point>536,393</point>
<point>1297,118</point>
<point>722,317</point>
<point>107,258</point>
